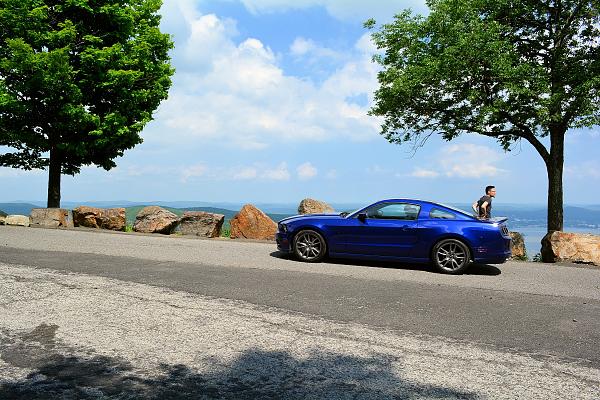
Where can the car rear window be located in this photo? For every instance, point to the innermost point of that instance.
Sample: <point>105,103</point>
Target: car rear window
<point>437,213</point>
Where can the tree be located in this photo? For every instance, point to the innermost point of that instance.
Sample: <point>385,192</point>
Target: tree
<point>507,69</point>
<point>79,79</point>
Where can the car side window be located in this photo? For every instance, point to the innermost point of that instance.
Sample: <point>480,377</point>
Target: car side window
<point>436,213</point>
<point>403,211</point>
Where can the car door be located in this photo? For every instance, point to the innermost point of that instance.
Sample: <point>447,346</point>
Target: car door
<point>389,230</point>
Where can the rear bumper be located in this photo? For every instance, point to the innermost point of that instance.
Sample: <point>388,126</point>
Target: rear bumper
<point>493,254</point>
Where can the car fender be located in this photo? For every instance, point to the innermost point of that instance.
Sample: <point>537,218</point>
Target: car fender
<point>463,239</point>
<point>311,227</point>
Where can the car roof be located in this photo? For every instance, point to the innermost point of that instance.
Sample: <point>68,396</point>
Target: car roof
<point>422,202</point>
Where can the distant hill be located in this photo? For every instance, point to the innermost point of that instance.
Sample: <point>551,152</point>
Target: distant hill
<point>3,214</point>
<point>17,208</point>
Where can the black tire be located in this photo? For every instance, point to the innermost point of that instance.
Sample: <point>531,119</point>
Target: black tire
<point>451,256</point>
<point>309,246</point>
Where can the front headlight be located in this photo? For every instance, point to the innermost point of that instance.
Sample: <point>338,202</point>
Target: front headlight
<point>283,228</point>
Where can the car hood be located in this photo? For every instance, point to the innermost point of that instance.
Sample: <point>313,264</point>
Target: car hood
<point>310,216</point>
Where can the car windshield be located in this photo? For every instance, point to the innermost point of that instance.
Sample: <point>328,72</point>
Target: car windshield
<point>344,214</point>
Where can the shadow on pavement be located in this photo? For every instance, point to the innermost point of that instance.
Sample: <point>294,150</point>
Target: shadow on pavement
<point>254,374</point>
<point>474,269</point>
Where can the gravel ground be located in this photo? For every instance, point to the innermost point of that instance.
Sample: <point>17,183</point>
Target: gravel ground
<point>66,335</point>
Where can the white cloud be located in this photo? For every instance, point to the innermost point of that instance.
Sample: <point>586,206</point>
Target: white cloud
<point>306,171</point>
<point>302,47</point>
<point>280,173</point>
<point>246,173</point>
<point>461,161</point>
<point>234,93</point>
<point>469,161</point>
<point>355,10</point>
<point>192,172</point>
<point>424,173</point>
<point>585,170</point>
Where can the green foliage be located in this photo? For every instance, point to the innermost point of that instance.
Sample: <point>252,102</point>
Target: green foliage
<point>79,79</point>
<point>500,68</point>
<point>128,228</point>
<point>226,231</point>
<point>537,258</point>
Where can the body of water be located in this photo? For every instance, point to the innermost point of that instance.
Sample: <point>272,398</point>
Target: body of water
<point>534,234</point>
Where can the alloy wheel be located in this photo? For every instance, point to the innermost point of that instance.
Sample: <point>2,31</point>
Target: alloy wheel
<point>451,256</point>
<point>309,246</point>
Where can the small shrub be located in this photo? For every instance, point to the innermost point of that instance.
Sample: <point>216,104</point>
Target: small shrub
<point>537,258</point>
<point>128,228</point>
<point>225,232</point>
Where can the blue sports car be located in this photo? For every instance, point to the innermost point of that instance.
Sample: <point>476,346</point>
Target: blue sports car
<point>398,230</point>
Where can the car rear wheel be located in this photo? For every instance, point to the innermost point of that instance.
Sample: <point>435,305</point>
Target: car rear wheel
<point>309,246</point>
<point>451,256</point>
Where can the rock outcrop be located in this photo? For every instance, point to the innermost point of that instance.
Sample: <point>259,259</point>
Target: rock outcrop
<point>200,223</point>
<point>2,219</point>
<point>17,220</point>
<point>517,246</point>
<point>91,217</point>
<point>252,223</point>
<point>154,219</point>
<point>51,218</point>
<point>571,247</point>
<point>311,206</point>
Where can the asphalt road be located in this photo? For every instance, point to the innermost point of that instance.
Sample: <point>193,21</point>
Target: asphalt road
<point>140,312</point>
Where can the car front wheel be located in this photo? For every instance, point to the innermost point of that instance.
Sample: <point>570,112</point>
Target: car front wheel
<point>451,256</point>
<point>309,246</point>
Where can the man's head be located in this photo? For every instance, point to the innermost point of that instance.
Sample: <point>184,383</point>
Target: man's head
<point>490,191</point>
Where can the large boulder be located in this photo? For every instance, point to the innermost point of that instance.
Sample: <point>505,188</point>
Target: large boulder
<point>91,217</point>
<point>252,223</point>
<point>154,219</point>
<point>2,219</point>
<point>200,223</point>
<point>571,247</point>
<point>17,220</point>
<point>311,206</point>
<point>517,246</point>
<point>51,218</point>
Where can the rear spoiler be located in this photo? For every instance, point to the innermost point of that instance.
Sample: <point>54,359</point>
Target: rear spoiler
<point>495,220</point>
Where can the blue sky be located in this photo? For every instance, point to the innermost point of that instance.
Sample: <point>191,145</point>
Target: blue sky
<point>269,104</point>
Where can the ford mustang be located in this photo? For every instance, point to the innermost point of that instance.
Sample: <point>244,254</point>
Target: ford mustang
<point>398,230</point>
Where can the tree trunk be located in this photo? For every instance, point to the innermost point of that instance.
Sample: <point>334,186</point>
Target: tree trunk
<point>54,174</point>
<point>555,197</point>
<point>554,167</point>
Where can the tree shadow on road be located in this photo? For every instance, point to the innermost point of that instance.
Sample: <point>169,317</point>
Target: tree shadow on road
<point>474,269</point>
<point>255,374</point>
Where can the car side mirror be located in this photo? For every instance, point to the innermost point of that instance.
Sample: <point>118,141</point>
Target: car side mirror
<point>362,217</point>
